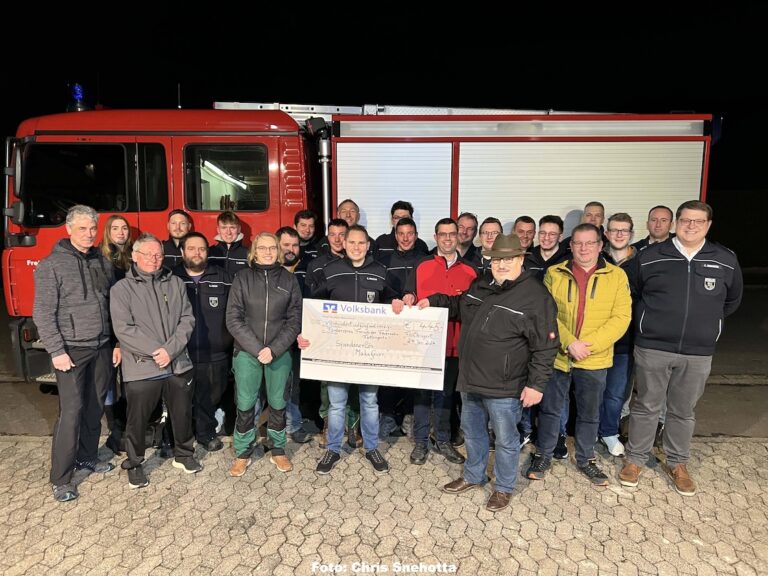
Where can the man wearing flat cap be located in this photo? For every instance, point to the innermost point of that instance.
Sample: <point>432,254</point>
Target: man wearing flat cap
<point>509,340</point>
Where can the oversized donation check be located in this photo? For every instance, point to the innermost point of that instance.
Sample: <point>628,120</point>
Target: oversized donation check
<point>369,344</point>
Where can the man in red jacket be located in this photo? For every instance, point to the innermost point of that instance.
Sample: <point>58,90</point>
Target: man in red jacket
<point>444,272</point>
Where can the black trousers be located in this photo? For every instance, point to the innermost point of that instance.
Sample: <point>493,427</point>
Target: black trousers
<point>82,391</point>
<point>143,395</point>
<point>211,380</point>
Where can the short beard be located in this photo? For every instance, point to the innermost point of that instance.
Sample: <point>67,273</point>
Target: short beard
<point>290,258</point>
<point>192,267</point>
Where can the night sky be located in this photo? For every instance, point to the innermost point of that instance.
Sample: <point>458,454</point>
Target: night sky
<point>580,58</point>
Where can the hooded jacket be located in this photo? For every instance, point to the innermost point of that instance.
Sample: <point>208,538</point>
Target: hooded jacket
<point>71,306</point>
<point>264,309</point>
<point>508,335</point>
<point>151,311</point>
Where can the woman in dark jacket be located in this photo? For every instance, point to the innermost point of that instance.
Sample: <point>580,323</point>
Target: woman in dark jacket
<point>116,246</point>
<point>264,317</point>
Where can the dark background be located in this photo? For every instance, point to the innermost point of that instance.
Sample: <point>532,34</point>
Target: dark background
<point>586,58</point>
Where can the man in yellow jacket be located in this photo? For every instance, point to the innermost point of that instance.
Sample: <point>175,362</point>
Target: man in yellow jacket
<point>593,311</point>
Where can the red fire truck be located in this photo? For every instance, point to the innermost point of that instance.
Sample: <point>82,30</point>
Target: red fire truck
<point>262,161</point>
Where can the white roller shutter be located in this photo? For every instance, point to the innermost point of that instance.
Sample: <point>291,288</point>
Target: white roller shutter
<point>375,175</point>
<point>510,179</point>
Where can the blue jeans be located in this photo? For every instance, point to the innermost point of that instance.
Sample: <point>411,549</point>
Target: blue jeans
<point>369,415</point>
<point>588,392</point>
<point>292,412</point>
<point>613,397</point>
<point>504,415</point>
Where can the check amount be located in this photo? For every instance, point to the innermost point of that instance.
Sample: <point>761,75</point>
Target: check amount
<point>369,344</point>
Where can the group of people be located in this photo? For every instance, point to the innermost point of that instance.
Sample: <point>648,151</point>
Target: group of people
<point>528,325</point>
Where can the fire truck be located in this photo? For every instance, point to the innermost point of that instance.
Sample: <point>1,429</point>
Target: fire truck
<point>268,161</point>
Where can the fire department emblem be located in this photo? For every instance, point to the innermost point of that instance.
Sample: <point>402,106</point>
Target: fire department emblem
<point>213,301</point>
<point>371,296</point>
<point>709,283</point>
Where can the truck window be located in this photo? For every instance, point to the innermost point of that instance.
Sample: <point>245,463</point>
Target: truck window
<point>58,176</point>
<point>103,176</point>
<point>227,177</point>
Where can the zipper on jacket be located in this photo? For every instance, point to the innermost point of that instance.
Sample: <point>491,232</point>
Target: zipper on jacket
<point>594,287</point>
<point>266,306</point>
<point>640,326</point>
<point>570,283</point>
<point>719,329</point>
<point>687,303</point>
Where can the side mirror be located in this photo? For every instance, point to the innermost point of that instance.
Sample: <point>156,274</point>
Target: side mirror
<point>16,213</point>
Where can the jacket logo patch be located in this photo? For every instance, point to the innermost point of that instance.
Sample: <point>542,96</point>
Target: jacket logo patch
<point>213,301</point>
<point>709,283</point>
<point>371,296</point>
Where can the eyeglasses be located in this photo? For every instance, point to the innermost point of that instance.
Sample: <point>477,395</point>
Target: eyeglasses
<point>506,261</point>
<point>150,256</point>
<point>620,231</point>
<point>588,243</point>
<point>490,233</point>
<point>447,234</point>
<point>688,221</point>
<point>266,248</point>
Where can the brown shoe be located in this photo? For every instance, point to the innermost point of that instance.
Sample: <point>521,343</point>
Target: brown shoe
<point>498,501</point>
<point>239,466</point>
<point>630,475</point>
<point>458,486</point>
<point>282,462</point>
<point>684,485</point>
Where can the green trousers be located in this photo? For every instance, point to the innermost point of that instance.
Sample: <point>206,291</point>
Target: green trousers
<point>249,373</point>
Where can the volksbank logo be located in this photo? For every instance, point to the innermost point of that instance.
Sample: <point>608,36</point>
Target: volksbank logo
<point>330,307</point>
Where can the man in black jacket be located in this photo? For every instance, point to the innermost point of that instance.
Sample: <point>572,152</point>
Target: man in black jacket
<point>229,252</point>
<point>686,286</point>
<point>210,345</point>
<point>386,244</point>
<point>508,344</point>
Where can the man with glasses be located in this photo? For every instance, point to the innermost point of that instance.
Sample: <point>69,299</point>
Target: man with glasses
<point>660,220</point>
<point>489,230</point>
<point>593,311</point>
<point>467,223</point>
<point>686,286</point>
<point>550,250</point>
<point>618,380</point>
<point>153,320</point>
<point>507,347</point>
<point>386,243</point>
<point>442,273</point>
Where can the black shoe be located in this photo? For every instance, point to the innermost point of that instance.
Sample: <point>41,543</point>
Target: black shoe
<point>115,445</point>
<point>448,452</point>
<point>94,465</point>
<point>419,454</point>
<point>538,468</point>
<point>380,465</point>
<point>458,440</point>
<point>189,465</point>
<point>327,462</point>
<point>137,478</point>
<point>592,471</point>
<point>658,441</point>
<point>65,492</point>
<point>301,436</point>
<point>561,449</point>
<point>165,451</point>
<point>214,444</point>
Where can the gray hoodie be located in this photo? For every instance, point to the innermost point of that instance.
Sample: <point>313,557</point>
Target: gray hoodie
<point>72,299</point>
<point>151,311</point>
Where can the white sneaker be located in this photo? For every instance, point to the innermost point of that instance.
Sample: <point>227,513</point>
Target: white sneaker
<point>615,447</point>
<point>219,415</point>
